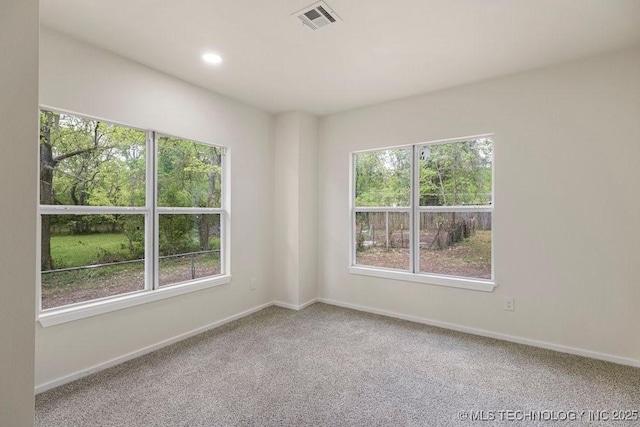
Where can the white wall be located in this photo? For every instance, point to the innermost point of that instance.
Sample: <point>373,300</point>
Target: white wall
<point>308,208</point>
<point>296,196</point>
<point>80,78</point>
<point>286,233</point>
<point>567,234</point>
<point>18,177</point>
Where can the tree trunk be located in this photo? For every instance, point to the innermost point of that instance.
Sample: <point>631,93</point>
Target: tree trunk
<point>45,242</point>
<point>206,221</point>
<point>203,232</point>
<point>444,195</point>
<point>47,165</point>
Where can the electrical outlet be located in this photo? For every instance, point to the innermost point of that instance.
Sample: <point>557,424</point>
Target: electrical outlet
<point>509,304</point>
<point>252,284</point>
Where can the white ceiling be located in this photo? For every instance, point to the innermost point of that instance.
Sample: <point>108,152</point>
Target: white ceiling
<point>383,50</point>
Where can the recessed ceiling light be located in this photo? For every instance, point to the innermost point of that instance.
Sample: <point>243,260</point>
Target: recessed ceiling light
<point>212,58</point>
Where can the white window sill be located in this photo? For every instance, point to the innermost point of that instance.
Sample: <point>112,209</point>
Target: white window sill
<point>57,316</point>
<point>453,282</point>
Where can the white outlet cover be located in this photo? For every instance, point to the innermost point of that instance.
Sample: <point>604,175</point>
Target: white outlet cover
<point>509,304</point>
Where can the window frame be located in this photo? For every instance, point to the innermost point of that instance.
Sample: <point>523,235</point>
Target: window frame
<point>414,274</point>
<point>152,290</point>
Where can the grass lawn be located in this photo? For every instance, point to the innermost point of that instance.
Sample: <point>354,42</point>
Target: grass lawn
<point>79,250</point>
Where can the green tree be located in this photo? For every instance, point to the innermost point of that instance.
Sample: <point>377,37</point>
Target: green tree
<point>383,178</point>
<point>87,162</point>
<point>456,173</point>
<point>189,175</point>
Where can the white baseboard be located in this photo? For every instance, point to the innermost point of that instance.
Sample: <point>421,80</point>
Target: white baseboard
<point>489,334</point>
<point>308,303</point>
<point>293,306</point>
<point>118,360</point>
<point>285,305</point>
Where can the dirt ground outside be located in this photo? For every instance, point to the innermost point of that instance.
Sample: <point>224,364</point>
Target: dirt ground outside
<point>64,288</point>
<point>470,258</point>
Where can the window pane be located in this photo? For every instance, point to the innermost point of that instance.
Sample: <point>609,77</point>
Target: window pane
<point>382,239</point>
<point>189,247</point>
<point>456,244</point>
<point>456,173</point>
<point>383,178</point>
<point>189,174</point>
<point>85,257</point>
<point>89,162</point>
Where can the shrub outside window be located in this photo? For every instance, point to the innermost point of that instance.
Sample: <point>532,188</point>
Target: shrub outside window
<point>425,212</point>
<point>125,211</point>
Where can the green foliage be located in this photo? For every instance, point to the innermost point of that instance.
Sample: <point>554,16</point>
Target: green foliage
<point>94,163</point>
<point>456,173</point>
<point>189,173</point>
<point>181,233</point>
<point>177,234</point>
<point>383,178</point>
<point>132,227</point>
<point>214,243</point>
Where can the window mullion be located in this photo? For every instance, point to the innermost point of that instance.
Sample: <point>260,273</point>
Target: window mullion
<point>223,244</point>
<point>225,215</point>
<point>456,208</point>
<point>352,213</point>
<point>381,209</point>
<point>189,211</point>
<point>414,219</point>
<point>89,210</point>
<point>152,229</point>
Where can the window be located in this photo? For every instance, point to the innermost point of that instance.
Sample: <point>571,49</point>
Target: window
<point>425,213</point>
<point>383,205</point>
<point>125,212</point>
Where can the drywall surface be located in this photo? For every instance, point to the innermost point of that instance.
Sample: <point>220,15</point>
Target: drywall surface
<point>308,207</point>
<point>286,232</point>
<point>77,77</point>
<point>18,174</point>
<point>296,196</point>
<point>566,229</point>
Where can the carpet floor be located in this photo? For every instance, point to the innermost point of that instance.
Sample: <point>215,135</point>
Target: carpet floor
<point>332,366</point>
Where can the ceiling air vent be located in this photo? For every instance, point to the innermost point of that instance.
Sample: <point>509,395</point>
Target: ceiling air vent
<point>317,15</point>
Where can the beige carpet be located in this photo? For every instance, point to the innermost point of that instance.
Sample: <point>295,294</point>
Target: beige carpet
<point>337,367</point>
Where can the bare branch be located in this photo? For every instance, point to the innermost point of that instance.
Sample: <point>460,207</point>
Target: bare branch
<point>76,153</point>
